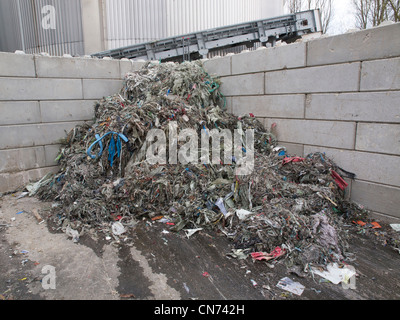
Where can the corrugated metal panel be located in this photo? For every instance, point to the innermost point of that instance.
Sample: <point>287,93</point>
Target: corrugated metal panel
<point>23,28</point>
<point>10,37</point>
<point>136,21</point>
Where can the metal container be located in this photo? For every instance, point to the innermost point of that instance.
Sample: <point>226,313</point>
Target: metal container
<point>52,26</point>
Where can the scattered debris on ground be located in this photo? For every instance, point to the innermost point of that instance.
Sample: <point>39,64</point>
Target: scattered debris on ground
<point>288,208</point>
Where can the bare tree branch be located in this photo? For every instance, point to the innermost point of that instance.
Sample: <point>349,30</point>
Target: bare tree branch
<point>374,12</point>
<point>295,5</point>
<point>363,10</point>
<point>395,8</point>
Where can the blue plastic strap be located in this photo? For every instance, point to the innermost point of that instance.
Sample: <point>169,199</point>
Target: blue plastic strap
<point>112,146</point>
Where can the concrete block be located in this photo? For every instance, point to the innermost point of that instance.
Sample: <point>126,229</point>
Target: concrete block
<point>374,43</point>
<point>15,160</point>
<point>33,134</point>
<point>293,149</point>
<point>19,112</point>
<point>371,167</point>
<point>380,75</point>
<point>218,66</point>
<point>365,106</point>
<point>60,67</point>
<point>129,66</point>
<point>40,89</point>
<point>376,197</point>
<point>320,133</point>
<point>50,153</point>
<point>13,181</point>
<point>67,110</point>
<point>274,106</point>
<point>333,78</point>
<point>16,65</point>
<point>378,137</point>
<point>97,89</point>
<point>248,84</point>
<point>276,58</point>
<point>229,103</point>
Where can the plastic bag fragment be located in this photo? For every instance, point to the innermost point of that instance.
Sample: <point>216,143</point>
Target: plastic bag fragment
<point>291,286</point>
<point>117,228</point>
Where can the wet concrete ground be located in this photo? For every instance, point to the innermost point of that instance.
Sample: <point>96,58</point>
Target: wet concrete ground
<point>155,265</point>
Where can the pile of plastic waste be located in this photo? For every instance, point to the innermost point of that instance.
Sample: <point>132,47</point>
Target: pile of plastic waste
<point>286,207</point>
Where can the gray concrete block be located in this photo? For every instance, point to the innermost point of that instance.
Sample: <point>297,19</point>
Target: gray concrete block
<point>50,153</point>
<point>334,78</point>
<point>365,106</point>
<point>15,160</point>
<point>380,75</point>
<point>293,149</point>
<point>248,84</point>
<point>40,89</point>
<point>371,167</point>
<point>218,66</point>
<point>228,104</point>
<point>378,137</point>
<point>19,112</point>
<point>274,106</point>
<point>97,89</point>
<point>31,135</point>
<point>376,197</point>
<point>276,58</point>
<point>13,181</point>
<point>67,110</point>
<point>127,66</point>
<point>16,65</point>
<point>374,43</point>
<point>60,67</point>
<point>312,132</point>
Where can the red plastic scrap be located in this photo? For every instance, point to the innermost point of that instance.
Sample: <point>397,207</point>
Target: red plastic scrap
<point>260,256</point>
<point>276,253</point>
<point>339,180</point>
<point>359,222</point>
<point>376,225</point>
<point>292,159</point>
<point>373,225</point>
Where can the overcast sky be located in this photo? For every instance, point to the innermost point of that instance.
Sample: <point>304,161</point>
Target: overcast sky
<point>343,17</point>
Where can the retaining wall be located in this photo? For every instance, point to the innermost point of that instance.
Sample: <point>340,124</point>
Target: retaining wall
<point>339,95</point>
<point>42,98</point>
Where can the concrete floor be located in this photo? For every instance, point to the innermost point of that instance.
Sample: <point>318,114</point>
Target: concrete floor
<point>154,265</point>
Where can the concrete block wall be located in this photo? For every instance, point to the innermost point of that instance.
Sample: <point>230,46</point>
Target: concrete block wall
<point>339,95</point>
<point>42,98</point>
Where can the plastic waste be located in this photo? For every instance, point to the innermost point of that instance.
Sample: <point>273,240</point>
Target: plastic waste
<point>276,253</point>
<point>243,214</point>
<point>220,205</point>
<point>395,226</point>
<point>334,273</point>
<point>190,232</point>
<point>283,193</point>
<point>74,234</point>
<point>289,285</point>
<point>240,254</point>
